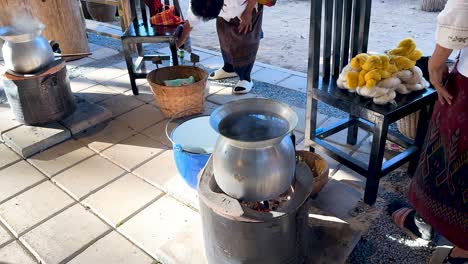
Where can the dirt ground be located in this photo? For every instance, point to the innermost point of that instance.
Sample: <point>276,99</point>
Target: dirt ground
<point>286,28</point>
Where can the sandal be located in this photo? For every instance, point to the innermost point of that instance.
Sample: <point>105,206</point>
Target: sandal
<point>416,228</point>
<point>243,87</point>
<point>221,74</point>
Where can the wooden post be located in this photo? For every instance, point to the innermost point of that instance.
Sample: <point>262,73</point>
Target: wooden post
<point>63,20</point>
<point>125,14</point>
<point>433,5</point>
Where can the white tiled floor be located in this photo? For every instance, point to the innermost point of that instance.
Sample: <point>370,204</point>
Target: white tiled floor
<point>60,157</point>
<point>113,193</point>
<point>114,249</point>
<point>121,104</point>
<point>106,135</point>
<point>81,83</point>
<point>15,253</point>
<point>97,93</point>
<point>7,156</point>
<point>5,237</point>
<point>87,176</point>
<point>142,117</point>
<point>165,172</point>
<point>33,206</point>
<point>134,151</point>
<point>158,224</point>
<point>270,76</point>
<point>105,74</point>
<point>122,198</point>
<point>17,178</point>
<point>61,237</point>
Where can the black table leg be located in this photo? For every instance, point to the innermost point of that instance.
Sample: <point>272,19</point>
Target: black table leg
<point>312,125</point>
<point>140,49</point>
<point>173,47</point>
<point>130,66</point>
<point>376,160</point>
<point>423,125</point>
<point>352,132</point>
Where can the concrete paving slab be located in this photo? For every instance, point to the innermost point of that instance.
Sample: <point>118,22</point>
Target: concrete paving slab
<point>17,178</point>
<point>88,176</point>
<point>134,151</point>
<point>29,140</point>
<point>122,198</point>
<point>15,253</point>
<point>30,208</point>
<point>87,115</point>
<point>60,157</point>
<point>7,156</point>
<point>114,249</point>
<point>159,224</point>
<point>62,237</point>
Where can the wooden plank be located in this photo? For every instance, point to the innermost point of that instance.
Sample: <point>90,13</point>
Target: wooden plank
<point>313,66</point>
<point>345,39</point>
<point>356,27</point>
<point>314,42</point>
<point>337,32</point>
<point>327,42</point>
<point>365,21</point>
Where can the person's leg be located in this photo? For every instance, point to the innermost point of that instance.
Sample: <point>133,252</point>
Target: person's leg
<point>459,253</point>
<point>244,72</point>
<point>245,83</point>
<point>228,67</point>
<point>227,71</point>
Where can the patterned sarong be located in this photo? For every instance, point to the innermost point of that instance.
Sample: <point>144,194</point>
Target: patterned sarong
<point>439,190</point>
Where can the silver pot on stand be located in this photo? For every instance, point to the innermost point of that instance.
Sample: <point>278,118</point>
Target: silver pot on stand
<point>254,157</point>
<point>25,50</point>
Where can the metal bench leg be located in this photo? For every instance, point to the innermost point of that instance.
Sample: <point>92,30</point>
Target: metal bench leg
<point>141,54</point>
<point>140,49</point>
<point>312,117</point>
<point>172,46</point>
<point>352,132</point>
<point>423,124</point>
<point>376,160</point>
<point>130,66</point>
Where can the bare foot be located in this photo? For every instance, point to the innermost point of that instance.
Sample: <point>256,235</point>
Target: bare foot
<point>459,253</point>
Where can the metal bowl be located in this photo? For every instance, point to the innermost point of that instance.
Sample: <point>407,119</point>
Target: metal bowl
<point>254,169</point>
<point>251,106</point>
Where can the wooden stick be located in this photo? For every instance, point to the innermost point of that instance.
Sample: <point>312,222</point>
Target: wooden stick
<point>72,55</point>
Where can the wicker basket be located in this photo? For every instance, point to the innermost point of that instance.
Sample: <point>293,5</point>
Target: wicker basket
<point>189,99</point>
<point>318,166</point>
<point>408,125</point>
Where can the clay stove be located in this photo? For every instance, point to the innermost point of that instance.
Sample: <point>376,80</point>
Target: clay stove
<point>40,98</point>
<point>240,232</point>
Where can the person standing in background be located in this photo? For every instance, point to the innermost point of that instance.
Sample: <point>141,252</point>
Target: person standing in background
<point>239,28</point>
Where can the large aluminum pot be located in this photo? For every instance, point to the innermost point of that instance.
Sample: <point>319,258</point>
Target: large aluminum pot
<point>25,51</point>
<point>254,157</point>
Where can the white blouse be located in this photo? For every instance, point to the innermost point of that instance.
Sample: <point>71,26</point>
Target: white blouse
<point>452,30</point>
<point>231,9</point>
